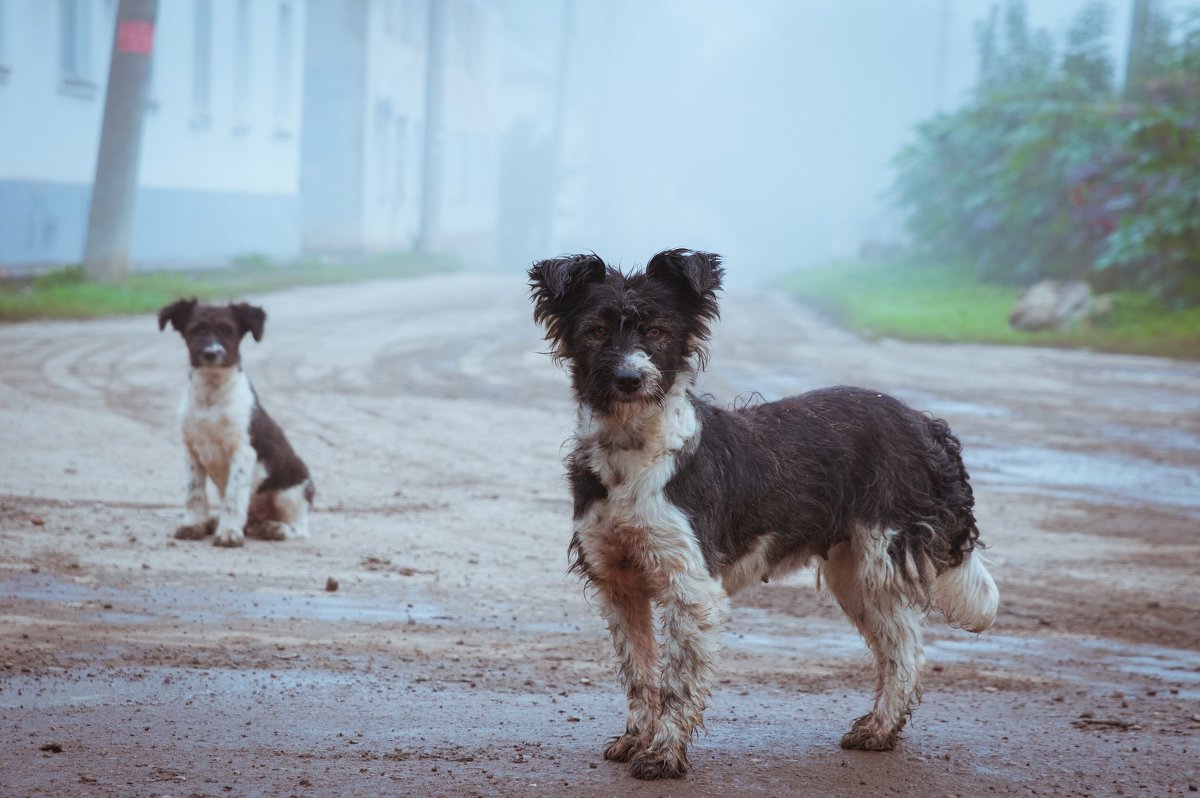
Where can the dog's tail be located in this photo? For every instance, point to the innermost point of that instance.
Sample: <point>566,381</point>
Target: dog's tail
<point>966,594</point>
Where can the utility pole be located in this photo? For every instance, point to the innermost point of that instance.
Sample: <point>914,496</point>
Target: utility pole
<point>558,170</point>
<point>942,65</point>
<point>435,129</point>
<point>1137,56</point>
<point>110,221</point>
<point>988,49</point>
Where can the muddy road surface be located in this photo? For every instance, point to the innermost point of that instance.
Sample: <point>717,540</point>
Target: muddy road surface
<point>458,658</point>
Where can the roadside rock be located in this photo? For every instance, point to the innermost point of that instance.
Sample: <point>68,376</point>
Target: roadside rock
<point>1051,305</point>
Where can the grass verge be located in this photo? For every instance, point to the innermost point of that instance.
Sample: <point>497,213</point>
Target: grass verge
<point>66,295</point>
<point>927,302</point>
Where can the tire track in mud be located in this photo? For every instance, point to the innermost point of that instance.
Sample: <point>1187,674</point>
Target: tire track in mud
<point>434,428</point>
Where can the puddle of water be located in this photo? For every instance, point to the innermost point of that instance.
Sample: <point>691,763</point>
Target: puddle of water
<point>1167,440</point>
<point>196,605</point>
<point>1168,664</point>
<point>1092,662</point>
<point>1079,661</point>
<point>843,646</point>
<point>1087,477</point>
<point>950,408</point>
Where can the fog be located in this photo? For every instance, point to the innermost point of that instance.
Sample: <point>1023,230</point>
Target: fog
<point>762,130</point>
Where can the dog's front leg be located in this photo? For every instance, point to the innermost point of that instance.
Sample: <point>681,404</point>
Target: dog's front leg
<point>235,502</point>
<point>630,622</point>
<point>693,607</point>
<point>196,522</point>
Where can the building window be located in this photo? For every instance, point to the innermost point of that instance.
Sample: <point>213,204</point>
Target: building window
<point>151,96</point>
<point>5,68</point>
<point>241,68</point>
<point>400,157</point>
<point>414,22</point>
<point>75,45</point>
<point>391,17</point>
<point>202,63</point>
<point>456,165</point>
<point>383,126</point>
<point>283,70</point>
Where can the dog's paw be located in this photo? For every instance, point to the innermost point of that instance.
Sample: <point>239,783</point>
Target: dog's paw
<point>658,765</point>
<point>229,537</point>
<point>865,735</point>
<point>623,747</point>
<point>269,530</point>
<point>196,531</point>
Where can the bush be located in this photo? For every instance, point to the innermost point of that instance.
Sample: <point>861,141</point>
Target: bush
<point>1049,172</point>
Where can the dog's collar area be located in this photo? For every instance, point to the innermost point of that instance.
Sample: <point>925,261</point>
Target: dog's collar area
<point>214,378</point>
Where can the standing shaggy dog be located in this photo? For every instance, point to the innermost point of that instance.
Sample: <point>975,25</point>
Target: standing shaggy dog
<point>679,503</point>
<point>265,488</point>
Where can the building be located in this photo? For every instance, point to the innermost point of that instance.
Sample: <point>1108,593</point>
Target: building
<point>366,120</point>
<point>220,166</point>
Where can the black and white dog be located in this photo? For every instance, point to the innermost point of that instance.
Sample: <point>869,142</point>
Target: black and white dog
<point>265,489</point>
<point>679,503</point>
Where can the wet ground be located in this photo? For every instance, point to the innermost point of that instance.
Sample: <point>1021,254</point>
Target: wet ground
<point>456,657</point>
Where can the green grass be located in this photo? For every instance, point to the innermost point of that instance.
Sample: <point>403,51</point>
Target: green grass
<point>930,302</point>
<point>65,294</point>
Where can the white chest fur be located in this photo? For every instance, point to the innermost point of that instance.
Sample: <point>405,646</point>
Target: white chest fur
<point>216,412</point>
<point>636,533</point>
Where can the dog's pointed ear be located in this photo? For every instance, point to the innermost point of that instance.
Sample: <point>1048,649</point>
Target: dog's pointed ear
<point>177,313</point>
<point>698,273</point>
<point>250,319</point>
<point>556,283</point>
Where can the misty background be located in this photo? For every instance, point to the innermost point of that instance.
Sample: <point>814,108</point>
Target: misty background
<point>498,132</point>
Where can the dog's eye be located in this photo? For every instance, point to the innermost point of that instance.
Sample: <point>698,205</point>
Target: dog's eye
<point>653,332</point>
<point>598,332</point>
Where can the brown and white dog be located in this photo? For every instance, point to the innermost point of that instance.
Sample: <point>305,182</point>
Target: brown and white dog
<point>679,503</point>
<point>265,489</point>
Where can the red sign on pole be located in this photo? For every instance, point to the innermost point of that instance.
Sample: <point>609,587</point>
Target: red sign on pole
<point>135,36</point>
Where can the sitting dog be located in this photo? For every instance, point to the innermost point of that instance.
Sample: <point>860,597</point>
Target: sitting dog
<point>679,503</point>
<point>265,488</point>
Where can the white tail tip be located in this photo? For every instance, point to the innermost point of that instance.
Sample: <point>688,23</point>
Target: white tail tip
<point>967,595</point>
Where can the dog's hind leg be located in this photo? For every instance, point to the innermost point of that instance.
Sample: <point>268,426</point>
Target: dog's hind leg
<point>692,611</point>
<point>631,624</point>
<point>870,589</point>
<point>279,514</point>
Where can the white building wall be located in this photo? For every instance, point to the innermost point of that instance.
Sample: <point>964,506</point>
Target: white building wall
<point>474,122</point>
<point>252,149</point>
<point>49,125</point>
<point>395,123</point>
<point>385,132</point>
<point>211,186</point>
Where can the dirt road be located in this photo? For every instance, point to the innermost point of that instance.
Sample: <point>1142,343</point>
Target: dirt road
<point>458,658</point>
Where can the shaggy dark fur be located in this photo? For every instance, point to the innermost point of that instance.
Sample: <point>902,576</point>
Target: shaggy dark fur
<point>808,469</point>
<point>678,501</point>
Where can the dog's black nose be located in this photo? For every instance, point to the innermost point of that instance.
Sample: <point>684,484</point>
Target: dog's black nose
<point>211,355</point>
<point>628,380</point>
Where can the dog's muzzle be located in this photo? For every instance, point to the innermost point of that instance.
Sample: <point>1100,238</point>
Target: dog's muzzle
<point>628,380</point>
<point>212,353</point>
<point>635,377</point>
